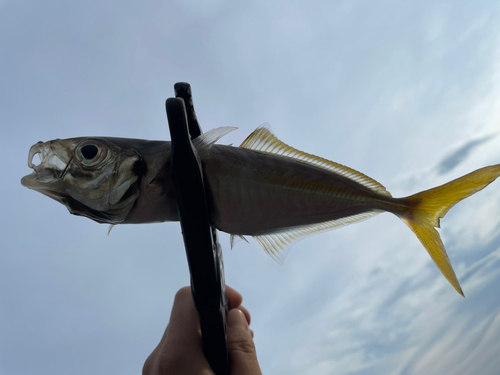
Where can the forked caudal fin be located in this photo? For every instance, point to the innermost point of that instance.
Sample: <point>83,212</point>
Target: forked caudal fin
<point>431,205</point>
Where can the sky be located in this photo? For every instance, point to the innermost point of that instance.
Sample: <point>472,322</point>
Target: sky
<point>405,92</point>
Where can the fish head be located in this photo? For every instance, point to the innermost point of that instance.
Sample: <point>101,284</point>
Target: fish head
<point>92,177</point>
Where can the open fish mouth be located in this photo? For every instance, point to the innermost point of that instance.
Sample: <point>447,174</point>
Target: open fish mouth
<point>54,161</point>
<point>48,159</point>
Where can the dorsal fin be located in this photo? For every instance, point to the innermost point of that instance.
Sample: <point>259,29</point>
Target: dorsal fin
<point>263,140</point>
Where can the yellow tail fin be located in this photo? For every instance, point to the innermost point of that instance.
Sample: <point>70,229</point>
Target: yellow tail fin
<point>429,206</point>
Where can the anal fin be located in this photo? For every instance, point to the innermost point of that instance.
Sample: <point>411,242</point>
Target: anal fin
<point>278,243</point>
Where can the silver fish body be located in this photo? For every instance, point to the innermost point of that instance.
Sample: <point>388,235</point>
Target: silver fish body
<point>249,192</point>
<point>253,193</point>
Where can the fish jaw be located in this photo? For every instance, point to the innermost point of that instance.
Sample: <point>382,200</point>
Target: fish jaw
<point>46,177</point>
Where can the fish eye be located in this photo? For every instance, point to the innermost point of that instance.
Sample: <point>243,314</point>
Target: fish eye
<point>89,152</point>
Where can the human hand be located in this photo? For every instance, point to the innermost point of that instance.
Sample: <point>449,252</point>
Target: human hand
<point>180,351</point>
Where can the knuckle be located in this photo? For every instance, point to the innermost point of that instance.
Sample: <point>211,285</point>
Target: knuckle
<point>148,368</point>
<point>242,343</point>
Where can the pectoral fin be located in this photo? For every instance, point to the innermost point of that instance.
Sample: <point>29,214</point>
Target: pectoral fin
<point>205,141</point>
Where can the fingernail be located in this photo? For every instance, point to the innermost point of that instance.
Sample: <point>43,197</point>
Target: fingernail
<point>236,319</point>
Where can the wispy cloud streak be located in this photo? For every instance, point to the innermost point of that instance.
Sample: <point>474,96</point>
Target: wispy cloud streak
<point>451,161</point>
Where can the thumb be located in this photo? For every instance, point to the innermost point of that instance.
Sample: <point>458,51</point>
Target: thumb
<point>240,346</point>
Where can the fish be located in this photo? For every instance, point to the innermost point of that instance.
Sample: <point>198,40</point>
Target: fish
<point>265,189</point>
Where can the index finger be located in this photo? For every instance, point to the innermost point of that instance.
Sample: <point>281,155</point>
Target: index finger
<point>184,325</point>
